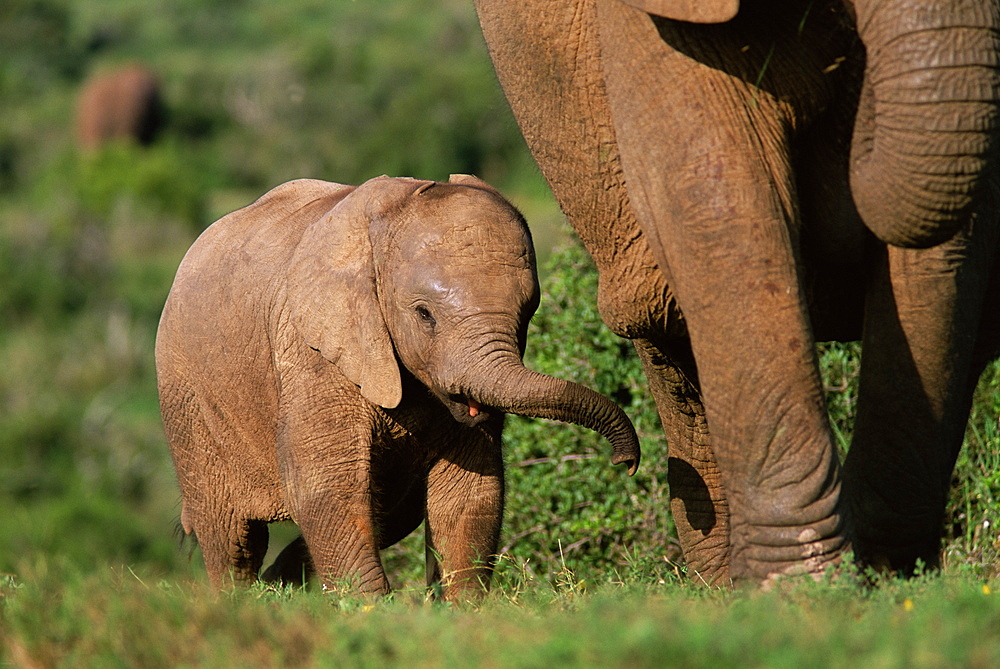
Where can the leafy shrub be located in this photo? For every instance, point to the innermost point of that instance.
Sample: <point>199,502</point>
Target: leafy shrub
<point>567,506</point>
<point>972,519</point>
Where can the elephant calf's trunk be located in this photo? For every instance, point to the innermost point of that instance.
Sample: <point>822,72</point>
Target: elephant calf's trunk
<point>528,393</point>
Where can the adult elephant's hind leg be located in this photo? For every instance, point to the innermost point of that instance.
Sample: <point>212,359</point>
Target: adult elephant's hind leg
<point>918,371</point>
<point>697,500</point>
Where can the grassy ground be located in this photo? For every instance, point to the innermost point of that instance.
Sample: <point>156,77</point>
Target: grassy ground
<point>122,618</point>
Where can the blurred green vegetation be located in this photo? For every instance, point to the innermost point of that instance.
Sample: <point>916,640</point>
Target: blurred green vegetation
<point>258,93</point>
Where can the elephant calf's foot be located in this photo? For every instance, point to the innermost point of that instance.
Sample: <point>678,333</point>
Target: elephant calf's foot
<point>293,566</point>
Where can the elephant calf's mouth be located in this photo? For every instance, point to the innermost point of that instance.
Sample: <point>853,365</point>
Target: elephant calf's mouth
<point>466,410</point>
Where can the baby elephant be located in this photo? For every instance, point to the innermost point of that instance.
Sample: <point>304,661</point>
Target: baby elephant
<point>343,357</point>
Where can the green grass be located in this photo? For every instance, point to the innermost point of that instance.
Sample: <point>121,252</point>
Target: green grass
<point>60,617</point>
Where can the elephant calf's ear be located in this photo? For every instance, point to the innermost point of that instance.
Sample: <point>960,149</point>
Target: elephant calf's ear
<point>333,305</point>
<point>471,180</point>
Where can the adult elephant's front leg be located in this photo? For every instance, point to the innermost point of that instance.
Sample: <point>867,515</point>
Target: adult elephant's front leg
<point>697,498</point>
<point>464,511</point>
<point>764,406</point>
<point>709,176</point>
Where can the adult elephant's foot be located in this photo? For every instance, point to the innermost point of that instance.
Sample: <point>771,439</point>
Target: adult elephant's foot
<point>892,541</point>
<point>763,554</point>
<point>818,560</point>
<point>905,560</point>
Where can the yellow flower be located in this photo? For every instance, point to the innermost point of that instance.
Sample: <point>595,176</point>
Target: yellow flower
<point>986,589</point>
<point>907,604</point>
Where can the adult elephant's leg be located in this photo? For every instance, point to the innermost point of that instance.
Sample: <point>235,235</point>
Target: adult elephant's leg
<point>464,510</point>
<point>547,57</point>
<point>697,499</point>
<point>988,341</point>
<point>919,368</point>
<point>706,162</point>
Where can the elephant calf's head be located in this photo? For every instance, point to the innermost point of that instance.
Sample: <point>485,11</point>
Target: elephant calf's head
<point>456,281</point>
<point>440,277</point>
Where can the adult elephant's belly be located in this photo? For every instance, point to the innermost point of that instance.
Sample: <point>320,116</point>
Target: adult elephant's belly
<point>835,293</point>
<point>835,248</point>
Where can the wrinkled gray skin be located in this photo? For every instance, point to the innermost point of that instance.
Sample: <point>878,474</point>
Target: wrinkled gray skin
<point>342,357</point>
<point>752,178</point>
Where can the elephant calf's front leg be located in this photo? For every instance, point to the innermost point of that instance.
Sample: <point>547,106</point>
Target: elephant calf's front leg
<point>343,543</point>
<point>464,511</point>
<point>328,490</point>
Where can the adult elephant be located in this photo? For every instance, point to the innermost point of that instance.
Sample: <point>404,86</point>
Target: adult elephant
<point>121,104</point>
<point>750,179</point>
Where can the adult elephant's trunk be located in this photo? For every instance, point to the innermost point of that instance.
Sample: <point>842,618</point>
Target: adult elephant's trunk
<point>527,393</point>
<point>927,130</point>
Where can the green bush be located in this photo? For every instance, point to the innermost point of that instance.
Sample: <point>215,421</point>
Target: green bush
<point>972,519</point>
<point>567,506</point>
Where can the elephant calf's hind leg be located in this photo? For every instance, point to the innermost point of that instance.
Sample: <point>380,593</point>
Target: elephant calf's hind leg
<point>293,566</point>
<point>233,549</point>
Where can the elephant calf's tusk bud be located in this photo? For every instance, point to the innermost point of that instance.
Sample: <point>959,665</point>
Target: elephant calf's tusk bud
<point>473,408</point>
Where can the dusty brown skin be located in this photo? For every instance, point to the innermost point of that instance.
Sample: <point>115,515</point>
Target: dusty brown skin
<point>342,357</point>
<point>796,172</point>
<point>123,104</point>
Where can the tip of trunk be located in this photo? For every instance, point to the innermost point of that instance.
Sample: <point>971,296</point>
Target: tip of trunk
<point>629,458</point>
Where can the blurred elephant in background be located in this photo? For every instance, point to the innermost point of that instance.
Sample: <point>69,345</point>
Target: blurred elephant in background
<point>343,357</point>
<point>751,178</point>
<point>120,104</point>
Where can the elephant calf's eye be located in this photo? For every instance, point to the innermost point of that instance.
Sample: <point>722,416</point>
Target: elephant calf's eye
<point>425,315</point>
